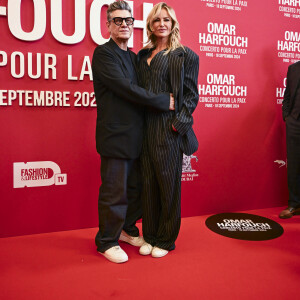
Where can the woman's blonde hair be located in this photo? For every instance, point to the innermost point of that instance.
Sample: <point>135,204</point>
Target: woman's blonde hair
<point>174,37</point>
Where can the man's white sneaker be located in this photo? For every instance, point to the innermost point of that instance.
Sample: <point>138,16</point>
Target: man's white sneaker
<point>115,254</point>
<point>146,249</point>
<point>158,252</point>
<point>137,241</point>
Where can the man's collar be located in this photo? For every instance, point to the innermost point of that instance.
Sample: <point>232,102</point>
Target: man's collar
<point>115,46</point>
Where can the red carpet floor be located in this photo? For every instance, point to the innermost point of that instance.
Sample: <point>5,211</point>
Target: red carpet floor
<point>65,265</point>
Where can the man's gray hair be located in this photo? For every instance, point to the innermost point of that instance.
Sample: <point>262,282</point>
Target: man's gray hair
<point>117,5</point>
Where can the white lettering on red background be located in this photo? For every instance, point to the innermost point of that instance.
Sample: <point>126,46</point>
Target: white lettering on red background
<point>13,14</point>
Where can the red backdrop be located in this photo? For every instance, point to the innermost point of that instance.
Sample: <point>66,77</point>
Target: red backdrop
<point>245,48</point>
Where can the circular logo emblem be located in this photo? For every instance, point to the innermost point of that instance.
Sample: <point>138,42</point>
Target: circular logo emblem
<point>243,226</point>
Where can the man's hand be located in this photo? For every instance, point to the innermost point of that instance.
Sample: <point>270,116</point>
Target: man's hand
<point>172,102</point>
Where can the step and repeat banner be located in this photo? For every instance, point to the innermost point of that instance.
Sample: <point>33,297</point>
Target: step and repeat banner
<point>50,177</point>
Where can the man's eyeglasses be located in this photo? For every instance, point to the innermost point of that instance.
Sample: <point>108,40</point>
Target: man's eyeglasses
<point>119,21</point>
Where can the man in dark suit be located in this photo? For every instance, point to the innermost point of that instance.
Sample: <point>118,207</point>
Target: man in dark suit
<point>291,116</point>
<point>120,118</point>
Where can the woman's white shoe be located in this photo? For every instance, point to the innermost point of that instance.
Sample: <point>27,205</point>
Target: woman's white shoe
<point>146,249</point>
<point>158,252</point>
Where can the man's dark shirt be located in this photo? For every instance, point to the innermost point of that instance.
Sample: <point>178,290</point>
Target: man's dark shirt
<point>129,65</point>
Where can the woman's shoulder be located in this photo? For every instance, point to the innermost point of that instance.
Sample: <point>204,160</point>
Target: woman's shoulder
<point>185,51</point>
<point>190,52</point>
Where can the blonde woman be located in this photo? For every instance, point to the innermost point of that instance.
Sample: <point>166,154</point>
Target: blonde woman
<point>165,65</point>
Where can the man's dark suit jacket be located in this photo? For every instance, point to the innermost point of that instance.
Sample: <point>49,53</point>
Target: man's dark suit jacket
<point>120,104</point>
<point>292,84</point>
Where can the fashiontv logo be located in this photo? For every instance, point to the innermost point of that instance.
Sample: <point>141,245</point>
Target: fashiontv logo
<point>38,173</point>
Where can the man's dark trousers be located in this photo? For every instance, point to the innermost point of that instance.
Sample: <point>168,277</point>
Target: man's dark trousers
<point>293,160</point>
<point>291,115</point>
<point>119,204</point>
